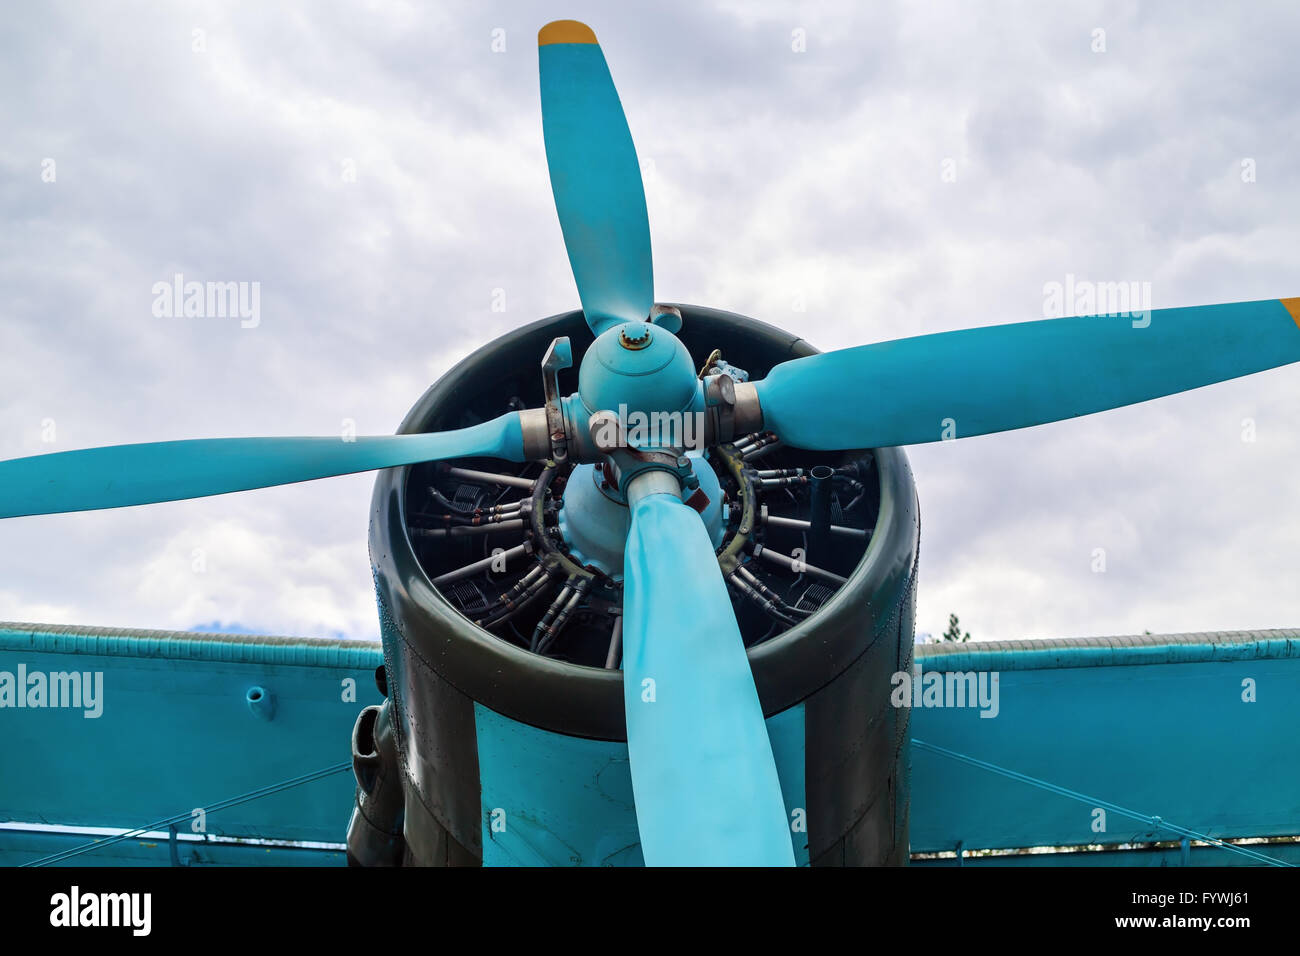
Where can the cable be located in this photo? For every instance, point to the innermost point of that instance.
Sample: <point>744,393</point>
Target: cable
<point>178,818</point>
<point>450,505</point>
<point>1154,821</point>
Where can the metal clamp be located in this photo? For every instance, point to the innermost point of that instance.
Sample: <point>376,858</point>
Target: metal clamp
<point>720,402</point>
<point>559,355</point>
<point>624,461</point>
<point>716,364</point>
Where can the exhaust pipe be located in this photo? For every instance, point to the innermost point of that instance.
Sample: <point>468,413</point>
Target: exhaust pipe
<point>375,830</point>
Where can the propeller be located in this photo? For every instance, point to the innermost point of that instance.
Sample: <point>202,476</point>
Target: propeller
<point>595,177</point>
<point>1013,376</point>
<point>120,475</point>
<point>703,772</point>
<point>703,775</point>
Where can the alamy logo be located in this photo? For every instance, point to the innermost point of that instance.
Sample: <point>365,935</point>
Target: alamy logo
<point>208,300</point>
<point>652,430</point>
<point>82,690</point>
<point>1127,300</point>
<point>75,908</point>
<point>947,689</point>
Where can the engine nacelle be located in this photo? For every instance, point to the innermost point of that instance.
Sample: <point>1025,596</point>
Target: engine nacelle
<point>515,754</point>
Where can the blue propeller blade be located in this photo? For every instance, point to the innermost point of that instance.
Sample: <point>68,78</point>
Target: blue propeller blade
<point>595,177</point>
<point>703,774</point>
<point>977,381</point>
<point>121,475</point>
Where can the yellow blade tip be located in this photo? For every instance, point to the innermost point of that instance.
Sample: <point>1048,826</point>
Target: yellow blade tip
<point>1292,306</point>
<point>565,31</point>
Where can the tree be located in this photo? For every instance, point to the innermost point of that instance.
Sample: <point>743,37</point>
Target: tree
<point>954,633</point>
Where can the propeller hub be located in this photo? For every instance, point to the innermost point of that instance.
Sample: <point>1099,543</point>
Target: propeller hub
<point>630,368</point>
<point>594,522</point>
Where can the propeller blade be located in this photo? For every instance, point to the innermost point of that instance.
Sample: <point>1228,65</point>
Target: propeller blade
<point>595,177</point>
<point>120,475</point>
<point>703,774</point>
<point>977,381</point>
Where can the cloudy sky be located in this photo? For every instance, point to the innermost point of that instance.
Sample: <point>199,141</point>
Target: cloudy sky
<point>378,168</point>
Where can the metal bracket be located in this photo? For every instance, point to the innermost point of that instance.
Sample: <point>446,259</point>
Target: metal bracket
<point>716,364</point>
<point>173,847</point>
<point>730,401</point>
<point>667,317</point>
<point>624,461</point>
<point>697,500</point>
<point>720,400</point>
<point>559,355</point>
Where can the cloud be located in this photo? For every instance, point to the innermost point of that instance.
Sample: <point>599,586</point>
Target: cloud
<point>379,171</point>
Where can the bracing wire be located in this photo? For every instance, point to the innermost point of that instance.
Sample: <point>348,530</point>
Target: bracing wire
<point>1154,821</point>
<point>178,818</point>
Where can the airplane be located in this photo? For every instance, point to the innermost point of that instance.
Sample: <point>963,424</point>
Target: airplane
<point>656,616</point>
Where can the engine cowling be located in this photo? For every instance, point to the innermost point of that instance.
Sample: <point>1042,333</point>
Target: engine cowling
<point>509,733</point>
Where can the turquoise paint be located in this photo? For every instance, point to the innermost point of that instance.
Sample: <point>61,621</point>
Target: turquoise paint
<point>656,379</point>
<point>555,800</point>
<point>176,732</point>
<point>117,476</point>
<point>596,181</point>
<point>1105,651</point>
<point>567,801</point>
<point>695,728</point>
<point>1013,376</point>
<point>598,534</point>
<point>1154,724</point>
<point>786,731</point>
<point>189,646</point>
<point>18,847</point>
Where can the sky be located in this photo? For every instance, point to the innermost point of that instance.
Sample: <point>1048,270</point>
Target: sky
<point>851,172</point>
